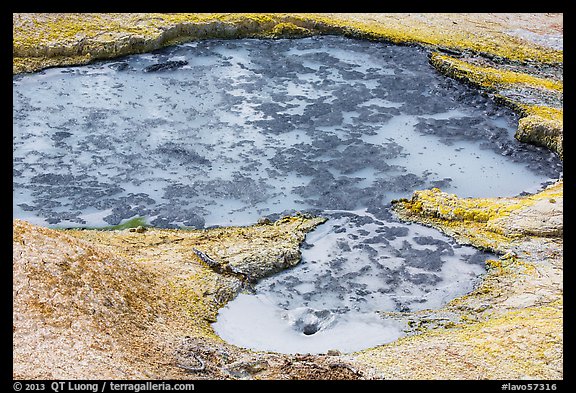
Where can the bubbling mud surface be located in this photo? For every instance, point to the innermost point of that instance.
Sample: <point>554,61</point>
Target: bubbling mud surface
<point>221,132</point>
<point>353,267</point>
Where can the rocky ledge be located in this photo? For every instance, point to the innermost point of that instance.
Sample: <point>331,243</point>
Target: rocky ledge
<point>137,304</point>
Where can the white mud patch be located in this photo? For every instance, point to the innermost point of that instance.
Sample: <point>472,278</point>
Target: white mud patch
<point>353,266</point>
<point>222,132</point>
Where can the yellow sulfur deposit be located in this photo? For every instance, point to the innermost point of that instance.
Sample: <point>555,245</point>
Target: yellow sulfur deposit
<point>127,304</point>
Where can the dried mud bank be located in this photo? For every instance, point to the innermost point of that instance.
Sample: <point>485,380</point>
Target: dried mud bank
<point>136,304</point>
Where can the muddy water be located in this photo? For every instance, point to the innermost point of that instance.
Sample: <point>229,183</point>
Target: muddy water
<point>353,267</point>
<point>225,132</point>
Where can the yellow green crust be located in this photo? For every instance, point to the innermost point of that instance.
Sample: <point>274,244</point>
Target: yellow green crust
<point>83,37</point>
<point>510,326</point>
<point>490,77</point>
<point>524,343</point>
<point>126,299</point>
<point>540,123</point>
<point>480,221</point>
<point>47,40</point>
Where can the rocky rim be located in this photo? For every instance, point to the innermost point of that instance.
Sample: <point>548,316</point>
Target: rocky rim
<point>138,304</point>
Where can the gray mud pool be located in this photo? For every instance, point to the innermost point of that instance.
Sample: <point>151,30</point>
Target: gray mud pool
<point>221,132</point>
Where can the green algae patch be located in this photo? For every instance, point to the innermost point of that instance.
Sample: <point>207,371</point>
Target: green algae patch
<point>132,223</point>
